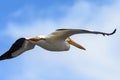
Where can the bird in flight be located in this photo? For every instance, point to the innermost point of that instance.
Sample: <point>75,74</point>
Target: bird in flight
<point>58,40</point>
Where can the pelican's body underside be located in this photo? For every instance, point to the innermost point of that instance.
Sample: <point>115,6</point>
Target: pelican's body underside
<point>53,45</point>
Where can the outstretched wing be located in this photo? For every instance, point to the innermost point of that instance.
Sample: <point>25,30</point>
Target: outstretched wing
<point>65,33</point>
<point>21,45</point>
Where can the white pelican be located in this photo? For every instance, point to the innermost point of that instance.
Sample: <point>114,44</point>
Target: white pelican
<point>56,41</point>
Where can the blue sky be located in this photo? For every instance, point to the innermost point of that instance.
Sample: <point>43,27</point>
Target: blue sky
<point>28,18</point>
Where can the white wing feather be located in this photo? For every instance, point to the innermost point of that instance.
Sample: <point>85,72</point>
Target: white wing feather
<point>65,33</point>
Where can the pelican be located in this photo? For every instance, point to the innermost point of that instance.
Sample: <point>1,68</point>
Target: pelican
<point>58,40</point>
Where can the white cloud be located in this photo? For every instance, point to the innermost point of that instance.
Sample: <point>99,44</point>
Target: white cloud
<point>98,62</point>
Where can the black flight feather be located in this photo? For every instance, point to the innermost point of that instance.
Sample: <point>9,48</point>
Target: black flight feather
<point>16,46</point>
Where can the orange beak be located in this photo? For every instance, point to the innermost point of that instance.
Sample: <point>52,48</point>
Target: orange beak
<point>75,44</point>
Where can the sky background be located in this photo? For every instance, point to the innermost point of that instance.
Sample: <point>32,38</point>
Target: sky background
<point>29,18</point>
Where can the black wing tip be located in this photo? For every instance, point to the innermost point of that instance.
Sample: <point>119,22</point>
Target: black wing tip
<point>1,59</point>
<point>113,32</point>
<point>5,56</point>
<point>13,48</point>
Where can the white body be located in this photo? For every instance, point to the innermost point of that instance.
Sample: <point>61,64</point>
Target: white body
<point>53,44</point>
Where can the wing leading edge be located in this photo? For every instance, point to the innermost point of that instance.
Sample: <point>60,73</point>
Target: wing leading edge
<point>65,33</point>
